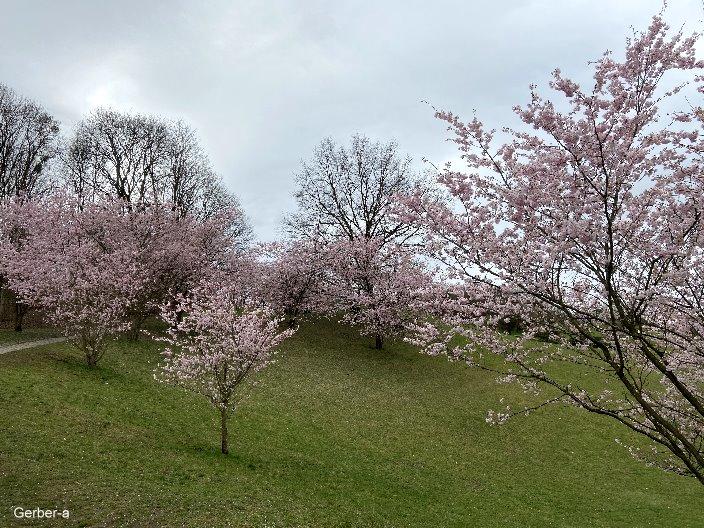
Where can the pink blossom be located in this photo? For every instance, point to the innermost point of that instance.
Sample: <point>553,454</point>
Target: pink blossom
<point>587,228</point>
<point>217,343</point>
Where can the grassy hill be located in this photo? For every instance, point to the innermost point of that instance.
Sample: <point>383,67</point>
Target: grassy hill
<point>337,434</point>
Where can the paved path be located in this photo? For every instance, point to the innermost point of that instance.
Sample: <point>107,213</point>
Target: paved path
<point>31,344</point>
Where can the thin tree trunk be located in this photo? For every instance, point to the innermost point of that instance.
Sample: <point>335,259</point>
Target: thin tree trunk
<point>91,352</point>
<point>3,296</point>
<point>20,311</point>
<point>223,432</point>
<point>136,328</point>
<point>378,342</point>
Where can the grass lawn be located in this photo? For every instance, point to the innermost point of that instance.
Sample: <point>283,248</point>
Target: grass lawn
<point>337,434</point>
<point>10,337</point>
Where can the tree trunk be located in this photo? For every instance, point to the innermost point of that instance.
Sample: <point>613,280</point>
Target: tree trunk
<point>3,295</point>
<point>223,432</point>
<point>20,310</point>
<point>136,329</point>
<point>91,359</point>
<point>378,342</point>
<point>91,349</point>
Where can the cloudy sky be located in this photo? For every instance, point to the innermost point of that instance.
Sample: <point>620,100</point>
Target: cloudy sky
<point>264,81</point>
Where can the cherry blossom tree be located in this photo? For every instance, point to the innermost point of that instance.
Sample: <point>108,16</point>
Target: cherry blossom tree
<point>293,278</point>
<point>588,226</point>
<point>216,343</point>
<point>28,146</point>
<point>100,269</point>
<point>346,197</point>
<point>77,266</point>
<point>377,288</point>
<point>174,251</point>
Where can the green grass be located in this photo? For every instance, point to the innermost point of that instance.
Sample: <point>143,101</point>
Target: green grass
<point>337,434</point>
<point>10,337</point>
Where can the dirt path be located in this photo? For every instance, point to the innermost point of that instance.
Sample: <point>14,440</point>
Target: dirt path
<point>30,344</point>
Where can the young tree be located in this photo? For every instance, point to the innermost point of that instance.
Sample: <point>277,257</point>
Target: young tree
<point>217,344</point>
<point>347,193</point>
<point>377,289</point>
<point>76,266</point>
<point>589,228</point>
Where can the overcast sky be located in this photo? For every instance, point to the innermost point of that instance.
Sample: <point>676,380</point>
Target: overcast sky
<point>264,81</point>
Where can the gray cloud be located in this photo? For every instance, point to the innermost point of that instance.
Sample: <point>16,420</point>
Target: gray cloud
<point>263,82</point>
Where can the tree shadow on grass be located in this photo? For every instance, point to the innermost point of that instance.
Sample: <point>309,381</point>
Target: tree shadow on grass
<point>77,366</point>
<point>210,454</point>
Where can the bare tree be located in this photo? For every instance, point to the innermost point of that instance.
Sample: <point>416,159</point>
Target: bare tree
<point>346,193</point>
<point>28,143</point>
<point>189,182</point>
<point>345,200</point>
<point>118,155</point>
<point>141,159</point>
<point>144,160</point>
